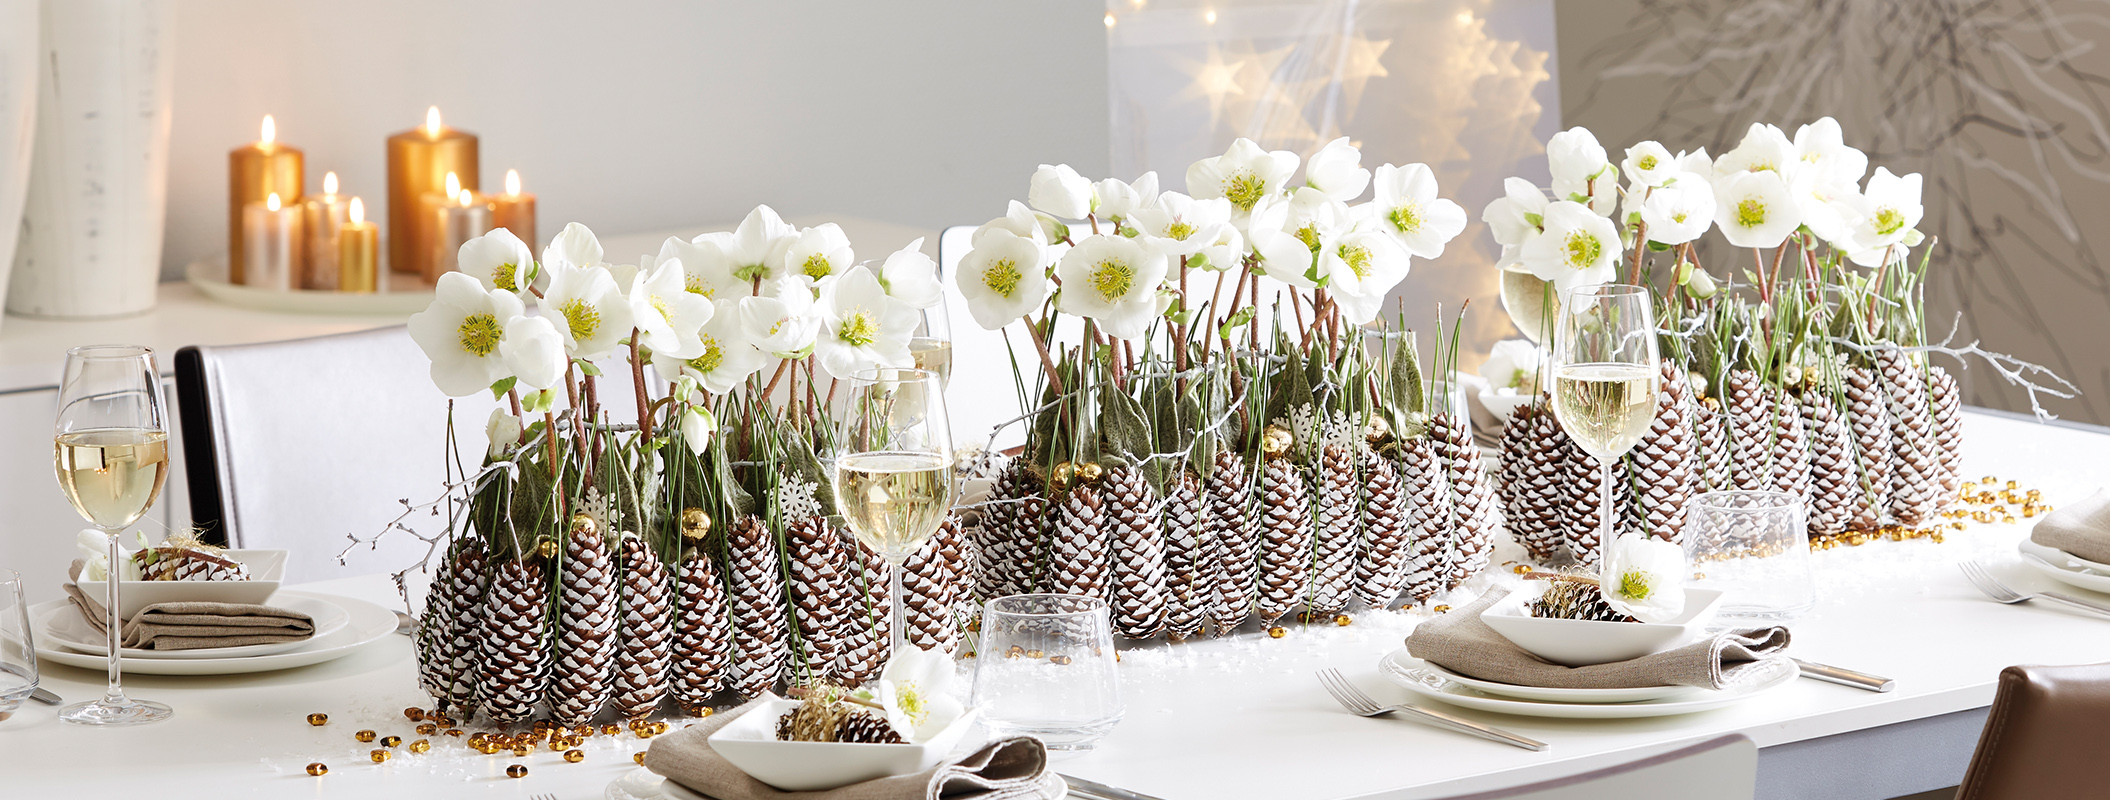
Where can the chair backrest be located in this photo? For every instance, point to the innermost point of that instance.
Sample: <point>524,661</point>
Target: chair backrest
<point>2048,727</point>
<point>1725,768</point>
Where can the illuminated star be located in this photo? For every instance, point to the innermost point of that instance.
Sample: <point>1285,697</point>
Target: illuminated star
<point>1365,60</point>
<point>1214,80</point>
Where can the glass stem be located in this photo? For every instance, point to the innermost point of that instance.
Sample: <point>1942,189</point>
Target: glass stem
<point>899,639</point>
<point>113,624</point>
<point>1605,535</point>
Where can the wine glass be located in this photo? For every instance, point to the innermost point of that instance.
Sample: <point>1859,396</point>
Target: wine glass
<point>1605,375</point>
<point>111,453</point>
<point>893,467</point>
<point>932,344</point>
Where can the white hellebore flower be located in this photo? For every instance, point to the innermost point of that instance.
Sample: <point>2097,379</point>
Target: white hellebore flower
<point>1581,172</point>
<point>819,253</point>
<point>575,246</point>
<point>1315,216</point>
<point>592,313</point>
<point>1337,170</point>
<point>1648,164</point>
<point>915,689</point>
<point>1755,209</point>
<point>1518,215</point>
<point>1828,208</point>
<point>1360,268</point>
<point>1243,174</point>
<point>1060,191</point>
<point>1118,201</point>
<point>1873,256</point>
<point>782,322</point>
<point>727,357</point>
<point>861,327</point>
<point>1512,367</point>
<point>502,433</point>
<point>1680,210</point>
<point>756,248</point>
<point>533,351</point>
<point>1020,221</point>
<point>461,332</point>
<point>1696,161</point>
<point>1822,148</point>
<point>1001,279</point>
<point>666,313</point>
<point>1893,210</point>
<point>1114,281</point>
<point>706,269</point>
<point>498,260</point>
<point>1283,255</point>
<point>1644,577</point>
<point>1578,248</point>
<point>1764,149</point>
<point>1406,206</point>
<point>1179,225</point>
<point>698,425</point>
<point>911,277</point>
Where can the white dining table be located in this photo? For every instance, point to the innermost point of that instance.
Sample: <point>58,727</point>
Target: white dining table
<point>1222,719</point>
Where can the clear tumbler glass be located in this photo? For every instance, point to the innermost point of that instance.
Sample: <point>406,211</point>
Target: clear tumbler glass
<point>1047,669</point>
<point>18,653</point>
<point>1755,547</point>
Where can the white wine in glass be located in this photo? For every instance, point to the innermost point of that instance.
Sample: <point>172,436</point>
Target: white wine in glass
<point>1605,372</point>
<point>892,497</point>
<point>110,450</point>
<point>933,355</point>
<point>892,467</point>
<point>1606,408</point>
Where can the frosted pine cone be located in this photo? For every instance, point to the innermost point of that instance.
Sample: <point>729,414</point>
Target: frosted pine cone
<point>867,621</point>
<point>1945,405</point>
<point>1428,491</point>
<point>1751,431</point>
<point>819,562</point>
<point>646,633</point>
<point>1531,474</point>
<point>1138,553</point>
<point>1868,419</point>
<point>1791,451</point>
<point>1237,539</point>
<point>1711,450</point>
<point>1191,560</point>
<point>1080,546</point>
<point>927,584</point>
<point>1286,530</point>
<point>1834,483</point>
<point>1663,461</point>
<point>1915,478</point>
<point>1381,566</point>
<point>516,641</point>
<point>1582,491</point>
<point>1472,498</point>
<point>448,658</point>
<point>703,632</point>
<point>1339,533</point>
<point>1013,533</point>
<point>586,617</point>
<point>756,597</point>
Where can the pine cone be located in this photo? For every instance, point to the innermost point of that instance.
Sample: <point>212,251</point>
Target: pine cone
<point>1582,494</point>
<point>1339,532</point>
<point>863,727</point>
<point>1237,540</point>
<point>867,621</point>
<point>1286,531</point>
<point>1382,565</point>
<point>1191,559</point>
<point>1567,599</point>
<point>1663,462</point>
<point>1012,534</point>
<point>818,562</point>
<point>756,597</point>
<point>1712,454</point>
<point>448,659</point>
<point>586,616</point>
<point>516,641</point>
<point>646,632</point>
<point>1915,478</point>
<point>1138,553</point>
<point>1428,491</point>
<point>1868,419</point>
<point>1834,483</point>
<point>1472,498</point>
<point>1751,431</point>
<point>1945,405</point>
<point>928,580</point>
<point>1791,450</point>
<point>703,632</point>
<point>1531,472</point>
<point>187,567</point>
<point>1080,546</point>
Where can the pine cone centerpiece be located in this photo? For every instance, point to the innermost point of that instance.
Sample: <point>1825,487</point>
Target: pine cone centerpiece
<point>1711,451</point>
<point>448,658</point>
<point>1583,496</point>
<point>867,622</point>
<point>818,563</point>
<point>516,640</point>
<point>1339,533</point>
<point>1531,476</point>
<point>1237,541</point>
<point>1472,498</point>
<point>1751,430</point>
<point>1662,462</point>
<point>1945,406</point>
<point>645,635</point>
<point>1012,533</point>
<point>1080,546</point>
<point>703,635</point>
<point>586,617</point>
<point>1191,560</point>
<point>1428,518</point>
<point>1381,566</point>
<point>1868,420</point>
<point>1834,482</point>
<point>1138,553</point>
<point>756,597</point>
<point>1286,531</point>
<point>1915,478</point>
<point>1791,453</point>
<point>929,580</point>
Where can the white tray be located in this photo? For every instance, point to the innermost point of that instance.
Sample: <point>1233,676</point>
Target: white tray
<point>400,295</point>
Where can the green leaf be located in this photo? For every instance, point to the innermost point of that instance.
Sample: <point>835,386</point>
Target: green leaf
<point>1405,383</point>
<point>1238,319</point>
<point>1126,434</point>
<point>586,367</point>
<point>504,385</point>
<point>1578,197</point>
<point>1198,261</point>
<point>1657,246</point>
<point>1536,220</point>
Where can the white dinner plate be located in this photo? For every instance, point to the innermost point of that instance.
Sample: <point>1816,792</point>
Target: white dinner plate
<point>1553,695</point>
<point>1413,674</point>
<point>66,626</point>
<point>2065,567</point>
<point>366,624</point>
<point>644,784</point>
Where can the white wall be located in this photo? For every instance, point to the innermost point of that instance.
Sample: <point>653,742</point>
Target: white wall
<point>649,114</point>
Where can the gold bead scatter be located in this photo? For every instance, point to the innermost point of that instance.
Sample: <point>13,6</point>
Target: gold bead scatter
<point>516,771</point>
<point>1342,620</point>
<point>638,757</point>
<point>427,729</point>
<point>611,729</point>
<point>318,769</point>
<point>574,756</point>
<point>1277,632</point>
<point>421,746</point>
<point>1987,501</point>
<point>414,714</point>
<point>318,720</point>
<point>391,741</point>
<point>1036,654</point>
<point>378,756</point>
<point>1062,661</point>
<point>364,736</point>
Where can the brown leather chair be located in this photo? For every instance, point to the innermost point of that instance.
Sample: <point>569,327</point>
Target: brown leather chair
<point>2046,737</point>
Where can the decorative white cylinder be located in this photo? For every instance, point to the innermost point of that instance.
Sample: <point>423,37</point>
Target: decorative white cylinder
<point>18,120</point>
<point>91,233</point>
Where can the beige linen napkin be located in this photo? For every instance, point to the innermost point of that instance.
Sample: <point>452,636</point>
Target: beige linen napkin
<point>1463,643</point>
<point>2082,528</point>
<point>197,626</point>
<point>1007,769</point>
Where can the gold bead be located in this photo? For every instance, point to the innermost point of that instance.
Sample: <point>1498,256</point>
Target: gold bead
<point>642,733</point>
<point>1060,660</point>
<point>1061,476</point>
<point>516,771</point>
<point>391,741</point>
<point>660,727</point>
<point>378,756</point>
<point>420,746</point>
<point>476,738</point>
<point>638,757</point>
<point>1276,440</point>
<point>440,719</point>
<point>702,712</point>
<point>2008,520</point>
<point>318,720</point>
<point>1969,489</point>
<point>2035,493</point>
<point>1442,609</point>
<point>1988,479</point>
<point>1090,472</point>
<point>318,769</point>
<point>547,549</point>
<point>414,714</point>
<point>364,736</point>
<point>427,729</point>
<point>574,756</point>
<point>611,729</point>
<point>558,745</point>
<point>583,730</point>
<point>522,750</point>
<point>1342,620</point>
<point>1036,654</point>
<point>1277,632</point>
<point>1523,569</point>
<point>1936,536</point>
<point>1376,429</point>
<point>2011,486</point>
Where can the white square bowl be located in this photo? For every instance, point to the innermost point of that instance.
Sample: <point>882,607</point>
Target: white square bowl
<point>266,568</point>
<point>751,744</point>
<point>1583,642</point>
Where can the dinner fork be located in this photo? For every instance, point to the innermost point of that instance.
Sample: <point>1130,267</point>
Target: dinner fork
<point>543,797</point>
<point>1361,705</point>
<point>1993,588</point>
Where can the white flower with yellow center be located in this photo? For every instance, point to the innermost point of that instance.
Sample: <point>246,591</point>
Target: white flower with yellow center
<point>1116,201</point>
<point>1581,173</point>
<point>461,332</point>
<point>1002,279</point>
<point>916,691</point>
<point>1284,256</point>
<point>1020,221</point>
<point>1893,210</point>
<point>783,321</point>
<point>1178,225</point>
<point>707,271</point>
<point>818,254</point>
<point>861,327</point>
<point>533,351</point>
<point>1828,208</point>
<point>1360,267</point>
<point>1680,210</point>
<point>727,356</point>
<point>911,277</point>
<point>1244,175</point>
<point>666,313</point>
<point>1764,148</point>
<point>1407,208</point>
<point>1518,215</point>
<point>1337,170</point>
<point>1648,164</point>
<point>500,261</point>
<point>1755,209</point>
<point>575,246</point>
<point>1512,364</point>
<point>1113,281</point>
<point>589,310</point>
<point>756,248</point>
<point>1059,190</point>
<point>1644,577</point>
<point>1577,247</point>
<point>1821,147</point>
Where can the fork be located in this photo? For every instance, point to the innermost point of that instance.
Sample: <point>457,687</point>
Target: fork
<point>543,797</point>
<point>1993,588</point>
<point>1361,705</point>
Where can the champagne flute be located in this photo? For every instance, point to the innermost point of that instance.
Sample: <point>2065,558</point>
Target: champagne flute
<point>1605,375</point>
<point>111,454</point>
<point>931,347</point>
<point>893,467</point>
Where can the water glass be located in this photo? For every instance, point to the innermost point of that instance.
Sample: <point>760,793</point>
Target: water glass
<point>1047,670</point>
<point>18,653</point>
<point>1755,547</point>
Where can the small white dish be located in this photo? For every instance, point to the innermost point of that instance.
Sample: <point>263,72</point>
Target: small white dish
<point>266,568</point>
<point>77,633</point>
<point>1503,405</point>
<point>1414,675</point>
<point>2065,567</point>
<point>1582,642</point>
<point>751,744</point>
<point>1553,695</point>
<point>368,623</point>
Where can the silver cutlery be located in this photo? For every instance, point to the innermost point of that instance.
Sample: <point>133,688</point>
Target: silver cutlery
<point>1844,677</point>
<point>1093,790</point>
<point>1993,588</point>
<point>541,796</point>
<point>1361,705</point>
<point>46,696</point>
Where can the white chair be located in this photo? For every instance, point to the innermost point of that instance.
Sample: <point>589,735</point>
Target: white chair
<point>1725,768</point>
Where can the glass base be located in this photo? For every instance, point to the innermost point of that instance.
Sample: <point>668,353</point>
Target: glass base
<point>1060,738</point>
<point>129,712</point>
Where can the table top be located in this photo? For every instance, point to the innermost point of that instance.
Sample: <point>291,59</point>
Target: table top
<point>1240,717</point>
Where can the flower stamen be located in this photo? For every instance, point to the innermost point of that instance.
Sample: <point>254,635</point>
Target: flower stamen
<point>480,334</point>
<point>581,317</point>
<point>504,275</point>
<point>713,355</point>
<point>1583,249</point>
<point>858,329</point>
<point>1002,277</point>
<point>1406,218</point>
<point>1244,189</point>
<point>1112,278</point>
<point>1750,212</point>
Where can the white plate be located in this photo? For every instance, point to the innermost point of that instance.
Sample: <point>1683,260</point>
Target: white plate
<point>64,624</point>
<point>1633,695</point>
<point>400,295</point>
<point>2065,567</point>
<point>1583,642</point>
<point>644,784</point>
<point>367,623</point>
<point>1412,673</point>
<point>266,568</point>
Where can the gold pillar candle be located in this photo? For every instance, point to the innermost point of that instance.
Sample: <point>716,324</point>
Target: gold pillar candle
<point>454,224</point>
<point>271,243</point>
<point>255,171</point>
<point>324,215</point>
<point>515,211</point>
<point>419,161</point>
<point>358,252</point>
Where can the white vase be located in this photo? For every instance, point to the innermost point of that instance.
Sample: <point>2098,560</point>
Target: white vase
<point>91,233</point>
<point>18,120</point>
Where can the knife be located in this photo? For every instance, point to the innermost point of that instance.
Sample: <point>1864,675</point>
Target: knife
<point>1091,790</point>
<point>45,696</point>
<point>1845,677</point>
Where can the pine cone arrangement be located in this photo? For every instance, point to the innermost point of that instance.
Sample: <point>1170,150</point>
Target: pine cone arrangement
<point>1012,533</point>
<point>1428,518</point>
<point>928,581</point>
<point>1531,481</point>
<point>1381,566</point>
<point>867,622</point>
<point>1751,431</point>
<point>1237,541</point>
<point>1286,531</point>
<point>703,634</point>
<point>1791,452</point>
<point>1339,533</point>
<point>756,598</point>
<point>1868,420</point>
<point>448,658</point>
<point>1710,443</point>
<point>1080,546</point>
<point>516,641</point>
<point>1915,478</point>
<point>586,616</point>
<point>1834,483</point>
<point>1945,405</point>
<point>1138,553</point>
<point>1472,498</point>
<point>818,562</point>
<point>646,633</point>
<point>1662,462</point>
<point>866,728</point>
<point>1582,494</point>
<point>1191,560</point>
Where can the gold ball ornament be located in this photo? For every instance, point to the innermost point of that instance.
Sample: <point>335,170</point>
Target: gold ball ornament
<point>1062,475</point>
<point>694,523</point>
<point>1342,620</point>
<point>1089,472</point>
<point>574,756</point>
<point>379,755</point>
<point>547,549</point>
<point>1277,632</point>
<point>1377,429</point>
<point>365,736</point>
<point>583,524</point>
<point>421,746</point>
<point>318,769</point>
<point>1276,440</point>
<point>318,720</point>
<point>516,771</point>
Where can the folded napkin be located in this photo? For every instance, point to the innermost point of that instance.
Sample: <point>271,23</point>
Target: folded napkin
<point>1463,643</point>
<point>197,626</point>
<point>2082,528</point>
<point>1007,769</point>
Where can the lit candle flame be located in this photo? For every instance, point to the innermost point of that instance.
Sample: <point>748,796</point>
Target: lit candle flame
<point>329,183</point>
<point>454,185</point>
<point>432,121</point>
<point>270,130</point>
<point>358,211</point>
<point>468,198</point>
<point>1210,16</point>
<point>512,182</point>
<point>272,201</point>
